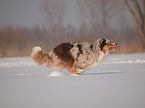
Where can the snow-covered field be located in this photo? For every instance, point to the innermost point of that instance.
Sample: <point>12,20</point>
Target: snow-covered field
<point>119,82</point>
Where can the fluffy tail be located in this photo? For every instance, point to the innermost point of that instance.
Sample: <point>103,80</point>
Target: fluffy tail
<point>38,56</point>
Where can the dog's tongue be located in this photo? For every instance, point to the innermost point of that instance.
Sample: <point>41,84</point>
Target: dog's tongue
<point>114,48</point>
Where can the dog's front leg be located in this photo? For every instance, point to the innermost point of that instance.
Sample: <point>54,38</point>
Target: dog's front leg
<point>76,69</point>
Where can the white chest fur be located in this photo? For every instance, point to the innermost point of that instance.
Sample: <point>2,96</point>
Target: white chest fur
<point>99,59</point>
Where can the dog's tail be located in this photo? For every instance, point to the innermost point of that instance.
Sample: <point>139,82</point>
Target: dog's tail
<point>39,57</point>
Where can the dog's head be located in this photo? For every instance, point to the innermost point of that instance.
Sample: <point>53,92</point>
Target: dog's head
<point>107,45</point>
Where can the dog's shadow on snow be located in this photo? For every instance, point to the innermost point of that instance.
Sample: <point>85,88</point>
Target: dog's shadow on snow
<point>101,73</point>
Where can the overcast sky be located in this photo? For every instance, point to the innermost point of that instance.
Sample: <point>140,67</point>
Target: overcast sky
<point>29,13</point>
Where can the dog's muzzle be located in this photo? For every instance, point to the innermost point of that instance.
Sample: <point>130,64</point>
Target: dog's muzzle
<point>112,46</point>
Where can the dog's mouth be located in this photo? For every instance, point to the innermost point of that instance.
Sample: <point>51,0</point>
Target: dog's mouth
<point>112,48</point>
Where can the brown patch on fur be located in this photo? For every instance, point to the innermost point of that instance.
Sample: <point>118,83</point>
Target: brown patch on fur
<point>41,58</point>
<point>63,53</point>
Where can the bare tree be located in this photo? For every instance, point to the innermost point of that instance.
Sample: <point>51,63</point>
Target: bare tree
<point>97,11</point>
<point>88,10</point>
<point>55,11</point>
<point>137,9</point>
<point>108,10</point>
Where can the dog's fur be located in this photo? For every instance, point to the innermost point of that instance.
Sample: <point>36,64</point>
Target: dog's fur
<point>74,56</point>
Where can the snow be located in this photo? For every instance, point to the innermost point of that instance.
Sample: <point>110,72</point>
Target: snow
<point>118,82</point>
<point>56,74</point>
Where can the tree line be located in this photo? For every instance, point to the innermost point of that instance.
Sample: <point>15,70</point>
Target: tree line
<point>16,41</point>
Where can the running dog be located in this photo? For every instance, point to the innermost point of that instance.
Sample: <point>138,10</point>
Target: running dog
<point>74,56</point>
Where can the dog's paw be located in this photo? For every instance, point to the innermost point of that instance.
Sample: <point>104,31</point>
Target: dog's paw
<point>80,70</point>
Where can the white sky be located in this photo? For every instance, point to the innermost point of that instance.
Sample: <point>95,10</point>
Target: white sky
<point>29,13</point>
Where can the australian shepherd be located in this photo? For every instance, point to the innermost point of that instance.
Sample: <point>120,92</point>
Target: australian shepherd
<point>74,56</point>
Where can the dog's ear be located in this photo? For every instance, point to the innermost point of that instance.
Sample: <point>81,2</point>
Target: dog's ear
<point>102,43</point>
<point>102,40</point>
